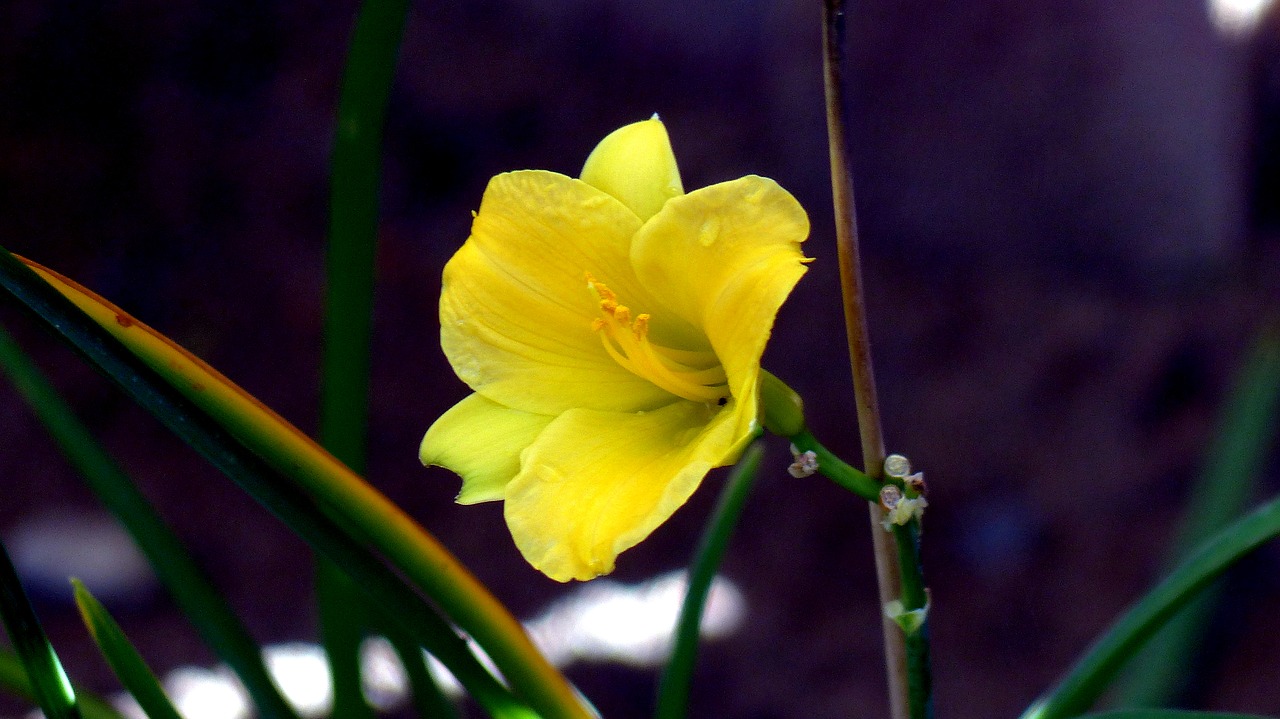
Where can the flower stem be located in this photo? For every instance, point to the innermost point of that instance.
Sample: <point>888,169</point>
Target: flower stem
<point>673,689</point>
<point>836,469</point>
<point>888,559</point>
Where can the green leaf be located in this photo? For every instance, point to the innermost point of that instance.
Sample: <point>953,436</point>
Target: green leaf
<point>673,688</point>
<point>415,552</point>
<point>13,679</point>
<point>1235,460</point>
<point>1091,675</point>
<point>125,661</point>
<point>49,683</point>
<point>314,522</point>
<point>1168,714</point>
<point>187,584</point>
<point>428,698</point>
<point>353,234</point>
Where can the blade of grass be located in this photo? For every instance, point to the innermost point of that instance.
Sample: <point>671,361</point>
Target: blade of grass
<point>1245,436</point>
<point>414,551</point>
<point>264,483</point>
<point>49,683</point>
<point>673,687</point>
<point>1093,673</point>
<point>187,584</point>
<point>353,232</point>
<point>1167,714</point>
<point>13,679</point>
<point>343,616</point>
<point>123,657</point>
<point>428,698</point>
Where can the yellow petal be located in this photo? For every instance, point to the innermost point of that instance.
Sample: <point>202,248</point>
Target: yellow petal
<point>636,165</point>
<point>725,257</point>
<point>515,310</point>
<point>596,483</point>
<point>481,441</point>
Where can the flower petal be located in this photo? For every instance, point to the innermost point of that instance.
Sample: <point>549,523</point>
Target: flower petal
<point>515,310</point>
<point>596,483</point>
<point>481,440</point>
<point>636,165</point>
<point>725,257</point>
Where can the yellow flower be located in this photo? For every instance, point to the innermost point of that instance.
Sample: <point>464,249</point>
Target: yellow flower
<point>611,328</point>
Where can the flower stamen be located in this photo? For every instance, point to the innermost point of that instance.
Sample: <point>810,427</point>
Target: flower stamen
<point>627,342</point>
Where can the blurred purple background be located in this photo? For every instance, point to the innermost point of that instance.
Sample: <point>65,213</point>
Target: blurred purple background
<point>1068,211</point>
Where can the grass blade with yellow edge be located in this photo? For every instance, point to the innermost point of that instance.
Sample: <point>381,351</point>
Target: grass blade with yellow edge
<point>125,661</point>
<point>190,588</point>
<point>13,680</point>
<point>417,554</point>
<point>306,515</point>
<point>49,683</point>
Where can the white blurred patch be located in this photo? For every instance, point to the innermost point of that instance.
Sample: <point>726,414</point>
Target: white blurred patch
<point>602,621</point>
<point>1236,17</point>
<point>302,672</point>
<point>207,694</point>
<point>48,548</point>
<point>605,621</point>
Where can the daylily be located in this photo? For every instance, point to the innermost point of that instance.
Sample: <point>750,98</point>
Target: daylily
<point>611,328</point>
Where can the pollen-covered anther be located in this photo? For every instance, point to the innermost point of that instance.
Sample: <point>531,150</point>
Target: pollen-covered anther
<point>641,326</point>
<point>657,364</point>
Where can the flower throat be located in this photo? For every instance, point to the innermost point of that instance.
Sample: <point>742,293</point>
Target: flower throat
<point>696,376</point>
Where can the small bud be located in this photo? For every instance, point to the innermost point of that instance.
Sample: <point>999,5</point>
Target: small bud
<point>782,408</point>
<point>909,621</point>
<point>900,509</point>
<point>890,496</point>
<point>805,464</point>
<point>915,483</point>
<point>895,465</point>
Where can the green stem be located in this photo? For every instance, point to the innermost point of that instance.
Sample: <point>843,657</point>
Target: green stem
<point>1092,674</point>
<point>837,470</point>
<point>912,589</point>
<point>673,688</point>
<point>858,335</point>
<point>915,597</point>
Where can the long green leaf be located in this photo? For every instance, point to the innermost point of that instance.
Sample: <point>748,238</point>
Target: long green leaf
<point>13,679</point>
<point>418,555</point>
<point>49,683</point>
<point>190,588</point>
<point>1168,714</point>
<point>1247,431</point>
<point>353,232</point>
<point>260,480</point>
<point>125,661</point>
<point>428,698</point>
<point>673,688</point>
<point>1091,675</point>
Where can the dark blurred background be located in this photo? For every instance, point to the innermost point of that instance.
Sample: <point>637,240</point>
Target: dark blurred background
<point>1068,213</point>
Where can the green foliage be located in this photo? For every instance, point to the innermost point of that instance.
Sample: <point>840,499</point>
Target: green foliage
<point>125,661</point>
<point>49,683</point>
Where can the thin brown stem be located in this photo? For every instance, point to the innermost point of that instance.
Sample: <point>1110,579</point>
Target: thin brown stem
<point>855,317</point>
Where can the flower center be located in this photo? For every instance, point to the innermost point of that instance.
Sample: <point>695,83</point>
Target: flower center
<point>696,376</point>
